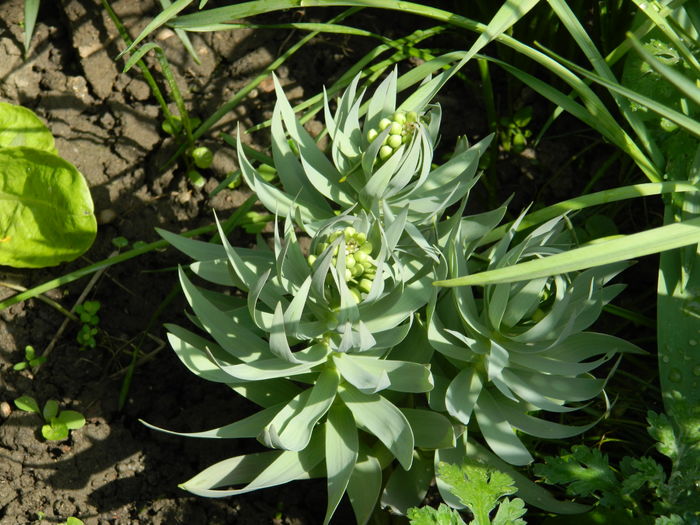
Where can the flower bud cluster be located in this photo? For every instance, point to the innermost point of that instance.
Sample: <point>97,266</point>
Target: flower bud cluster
<point>360,268</point>
<point>401,127</point>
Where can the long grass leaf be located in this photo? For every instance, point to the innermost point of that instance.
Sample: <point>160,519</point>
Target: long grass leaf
<point>162,18</point>
<point>31,10</point>
<point>623,248</point>
<point>671,114</point>
<point>587,201</point>
<point>182,35</point>
<point>573,25</point>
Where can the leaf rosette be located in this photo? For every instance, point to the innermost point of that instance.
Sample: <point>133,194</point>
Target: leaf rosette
<point>312,344</point>
<point>360,173</point>
<point>518,348</point>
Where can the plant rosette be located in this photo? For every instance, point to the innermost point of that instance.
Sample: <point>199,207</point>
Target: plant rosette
<point>313,346</point>
<point>507,350</point>
<point>337,344</point>
<point>355,176</point>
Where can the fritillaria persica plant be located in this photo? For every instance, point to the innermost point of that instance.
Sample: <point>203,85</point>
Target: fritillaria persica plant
<point>365,373</point>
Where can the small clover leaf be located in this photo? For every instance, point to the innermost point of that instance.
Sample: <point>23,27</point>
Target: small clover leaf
<point>54,430</point>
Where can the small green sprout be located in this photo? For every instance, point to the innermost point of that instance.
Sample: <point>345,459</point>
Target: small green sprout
<point>58,423</point>
<point>196,178</point>
<point>513,133</point>
<point>120,242</point>
<point>202,157</point>
<point>31,360</point>
<point>87,312</point>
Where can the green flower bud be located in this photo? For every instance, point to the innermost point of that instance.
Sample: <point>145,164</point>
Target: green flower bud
<point>311,259</point>
<point>349,261</point>
<point>321,247</point>
<point>372,134</point>
<point>384,123</point>
<point>203,157</point>
<point>196,178</point>
<point>394,141</point>
<point>358,270</point>
<point>365,285</point>
<point>360,257</point>
<point>360,237</point>
<point>366,247</point>
<point>399,117</point>
<point>385,152</point>
<point>349,231</point>
<point>396,129</point>
<point>412,116</point>
<point>348,275</point>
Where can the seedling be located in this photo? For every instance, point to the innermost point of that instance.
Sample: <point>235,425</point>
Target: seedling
<point>88,316</point>
<point>513,133</point>
<point>31,360</point>
<point>58,423</point>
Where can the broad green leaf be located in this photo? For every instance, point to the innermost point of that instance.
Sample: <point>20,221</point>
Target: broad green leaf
<point>50,409</point>
<point>380,417</point>
<point>369,374</point>
<point>46,212</point>
<point>604,252</point>
<point>408,489</point>
<point>341,454</point>
<point>292,427</point>
<point>463,393</point>
<point>498,433</point>
<point>431,430</point>
<point>28,404</point>
<point>72,419</point>
<point>364,487</point>
<point>55,430</point>
<point>259,470</point>
<point>20,126</point>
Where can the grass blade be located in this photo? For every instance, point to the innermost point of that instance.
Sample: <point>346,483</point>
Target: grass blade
<point>31,10</point>
<point>604,252</point>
